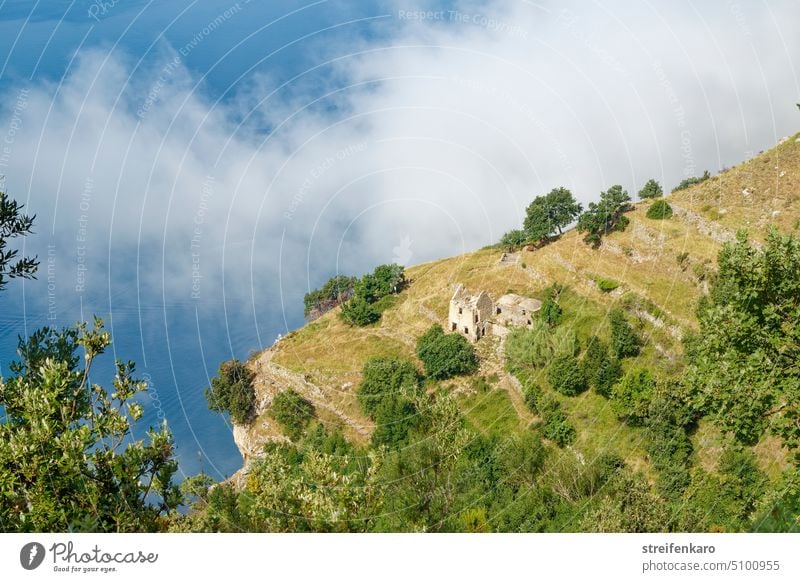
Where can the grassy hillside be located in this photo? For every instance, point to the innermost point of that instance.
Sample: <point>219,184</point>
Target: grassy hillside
<point>660,267</point>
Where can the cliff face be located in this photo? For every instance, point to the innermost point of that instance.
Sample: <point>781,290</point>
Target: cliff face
<point>662,268</point>
<point>272,378</point>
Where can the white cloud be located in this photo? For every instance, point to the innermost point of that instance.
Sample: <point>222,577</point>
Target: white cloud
<point>438,132</point>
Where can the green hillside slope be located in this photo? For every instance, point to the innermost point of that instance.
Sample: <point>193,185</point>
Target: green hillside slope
<point>655,271</point>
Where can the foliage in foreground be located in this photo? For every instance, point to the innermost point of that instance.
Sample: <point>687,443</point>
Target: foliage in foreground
<point>14,224</point>
<point>68,461</point>
<point>744,361</point>
<point>68,457</point>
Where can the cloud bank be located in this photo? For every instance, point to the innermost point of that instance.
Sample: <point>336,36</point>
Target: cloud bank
<point>425,139</point>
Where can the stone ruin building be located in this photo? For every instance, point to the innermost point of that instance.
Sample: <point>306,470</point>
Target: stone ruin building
<point>470,314</point>
<point>474,316</point>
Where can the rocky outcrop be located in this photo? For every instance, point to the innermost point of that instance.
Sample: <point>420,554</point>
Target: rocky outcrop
<point>711,229</point>
<point>270,380</point>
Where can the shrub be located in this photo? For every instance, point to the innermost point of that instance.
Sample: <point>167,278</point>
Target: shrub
<point>659,210</point>
<point>232,391</point>
<point>334,292</point>
<point>668,446</point>
<point>606,285</point>
<point>692,181</point>
<point>384,378</point>
<point>389,279</point>
<point>609,373</point>
<point>395,418</point>
<point>651,189</point>
<point>607,465</point>
<point>551,311</point>
<point>445,355</point>
<point>630,397</point>
<point>557,426</point>
<point>292,412</point>
<point>366,304</point>
<point>594,358</point>
<point>359,312</point>
<point>532,393</point>
<point>565,374</point>
<point>387,392</point>
<point>625,342</point>
<point>474,520</point>
<point>513,240</point>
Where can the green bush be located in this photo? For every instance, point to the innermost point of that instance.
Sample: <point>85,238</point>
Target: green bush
<point>383,281</point>
<point>387,392</point>
<point>557,426</point>
<point>565,374</point>
<point>726,500</point>
<point>232,391</point>
<point>359,312</point>
<point>372,294</point>
<point>334,292</point>
<point>513,240</point>
<point>609,373</point>
<point>551,311</point>
<point>659,210</point>
<point>692,181</point>
<point>594,358</point>
<point>651,189</point>
<point>395,418</point>
<point>625,342</point>
<point>668,446</point>
<point>532,393</point>
<point>292,412</point>
<point>445,355</point>
<point>606,285</point>
<point>630,397</point>
<point>384,378</point>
